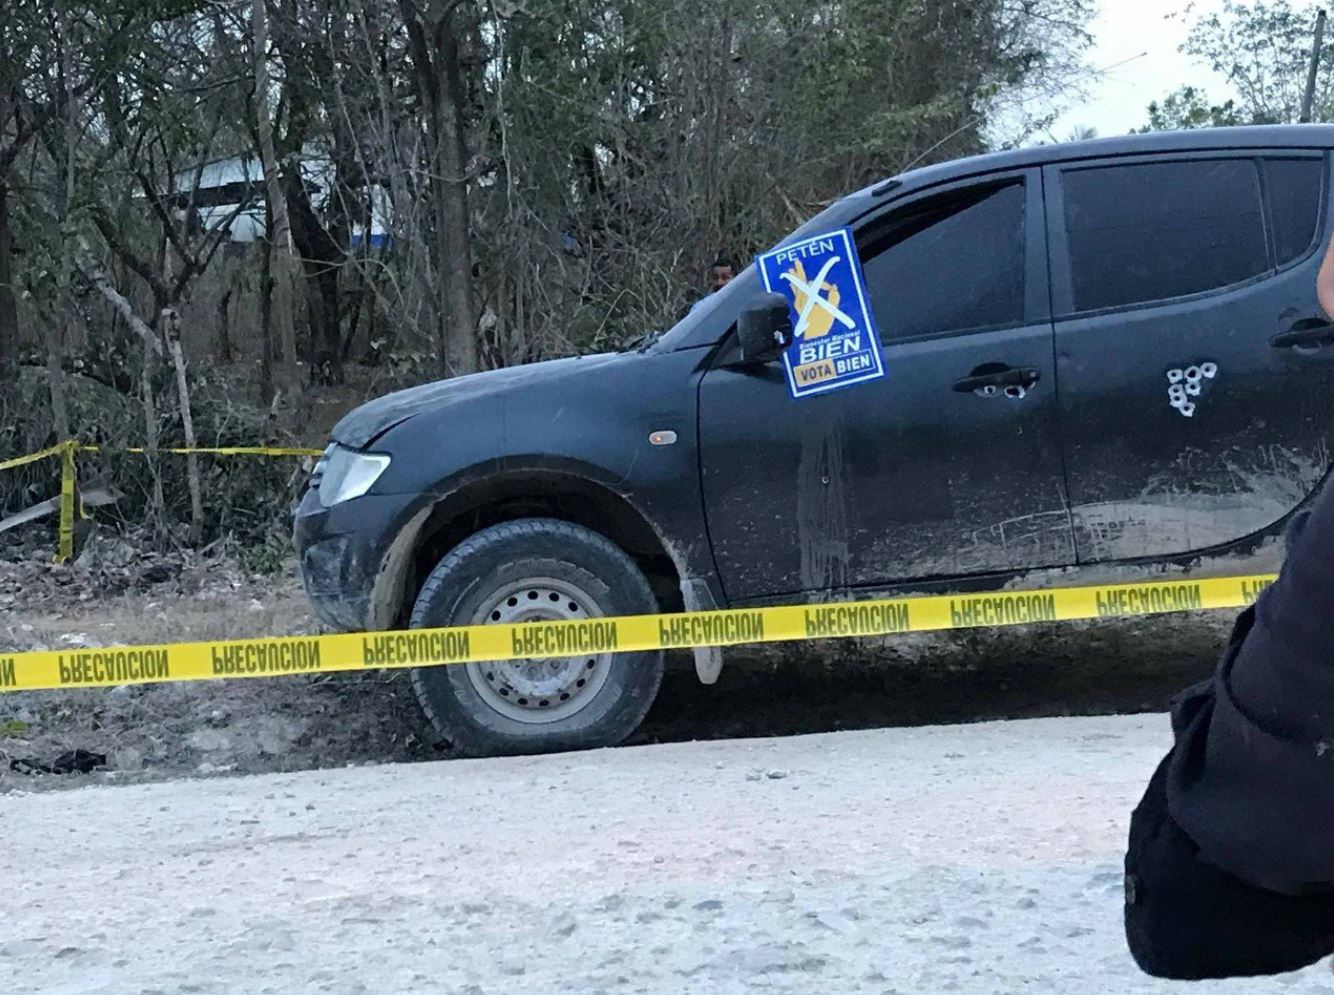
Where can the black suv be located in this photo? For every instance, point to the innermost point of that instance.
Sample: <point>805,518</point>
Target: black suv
<point>1101,357</point>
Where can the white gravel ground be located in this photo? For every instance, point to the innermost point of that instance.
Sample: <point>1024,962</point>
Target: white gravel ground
<point>970,859</point>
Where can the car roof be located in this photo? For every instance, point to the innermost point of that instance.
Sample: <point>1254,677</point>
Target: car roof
<point>1287,136</point>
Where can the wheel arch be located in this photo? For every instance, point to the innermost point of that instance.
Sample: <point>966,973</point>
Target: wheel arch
<point>562,493</point>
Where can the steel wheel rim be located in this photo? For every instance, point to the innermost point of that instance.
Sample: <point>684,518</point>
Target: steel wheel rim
<point>538,691</point>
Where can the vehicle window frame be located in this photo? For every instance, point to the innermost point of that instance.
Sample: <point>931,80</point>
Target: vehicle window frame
<point>1062,270</point>
<point>1037,298</point>
<point>1037,294</point>
<point>1322,206</point>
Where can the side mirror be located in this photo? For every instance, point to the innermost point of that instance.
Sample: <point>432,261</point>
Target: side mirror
<point>765,329</point>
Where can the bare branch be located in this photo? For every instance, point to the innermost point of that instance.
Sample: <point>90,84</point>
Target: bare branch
<point>95,277</point>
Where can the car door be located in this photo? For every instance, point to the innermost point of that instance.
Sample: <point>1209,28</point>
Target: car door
<point>949,465</point>
<point>1196,367</point>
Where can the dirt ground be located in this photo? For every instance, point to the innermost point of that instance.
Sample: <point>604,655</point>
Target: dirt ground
<point>116,595</point>
<point>980,859</point>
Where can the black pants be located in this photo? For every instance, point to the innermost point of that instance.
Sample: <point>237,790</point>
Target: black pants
<point>1230,865</point>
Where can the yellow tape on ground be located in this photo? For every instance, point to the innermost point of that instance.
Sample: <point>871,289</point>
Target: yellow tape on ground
<point>470,644</point>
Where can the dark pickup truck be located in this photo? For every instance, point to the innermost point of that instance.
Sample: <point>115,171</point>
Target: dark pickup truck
<point>1096,356</point>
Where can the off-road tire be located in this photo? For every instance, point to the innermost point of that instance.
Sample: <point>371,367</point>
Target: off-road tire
<point>551,553</point>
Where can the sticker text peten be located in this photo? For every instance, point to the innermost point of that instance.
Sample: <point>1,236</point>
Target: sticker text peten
<point>806,250</point>
<point>114,666</point>
<point>280,656</point>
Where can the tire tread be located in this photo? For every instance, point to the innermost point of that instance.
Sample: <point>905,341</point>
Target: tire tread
<point>469,742</point>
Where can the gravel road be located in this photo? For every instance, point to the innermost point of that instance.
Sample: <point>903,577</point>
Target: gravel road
<point>978,859</point>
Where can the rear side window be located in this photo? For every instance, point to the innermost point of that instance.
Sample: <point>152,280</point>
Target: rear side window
<point>1293,187</point>
<point>948,265</point>
<point>1160,230</point>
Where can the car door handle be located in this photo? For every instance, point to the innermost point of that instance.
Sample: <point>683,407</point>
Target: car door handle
<point>1312,333</point>
<point>994,382</point>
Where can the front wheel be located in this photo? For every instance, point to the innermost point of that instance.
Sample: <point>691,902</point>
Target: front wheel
<point>529,571</point>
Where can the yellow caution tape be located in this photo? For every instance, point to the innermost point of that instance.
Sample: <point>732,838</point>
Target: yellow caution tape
<point>11,464</point>
<point>68,474</point>
<point>478,643</point>
<point>79,447</point>
<point>68,450</point>
<point>214,451</point>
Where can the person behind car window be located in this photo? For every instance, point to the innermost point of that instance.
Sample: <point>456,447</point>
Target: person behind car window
<point>720,273</point>
<point>1230,862</point>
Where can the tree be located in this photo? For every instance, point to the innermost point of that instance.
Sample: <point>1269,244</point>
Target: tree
<point>1189,108</point>
<point>620,149</point>
<point>435,30</point>
<point>283,262</point>
<point>160,146</point>
<point>466,183</point>
<point>1263,49</point>
<point>40,71</point>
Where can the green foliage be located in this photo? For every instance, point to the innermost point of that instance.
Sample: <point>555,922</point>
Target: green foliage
<point>267,555</point>
<point>1188,108</point>
<point>1263,49</point>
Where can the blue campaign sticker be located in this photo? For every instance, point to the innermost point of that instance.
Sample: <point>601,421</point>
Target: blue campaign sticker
<point>835,343</point>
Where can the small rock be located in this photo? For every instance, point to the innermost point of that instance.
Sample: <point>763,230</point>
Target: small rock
<point>159,573</point>
<point>71,762</point>
<point>775,775</point>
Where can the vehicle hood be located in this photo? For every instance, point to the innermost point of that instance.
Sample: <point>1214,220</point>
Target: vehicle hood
<point>362,426</point>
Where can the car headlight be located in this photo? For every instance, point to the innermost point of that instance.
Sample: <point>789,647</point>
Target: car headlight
<point>349,474</point>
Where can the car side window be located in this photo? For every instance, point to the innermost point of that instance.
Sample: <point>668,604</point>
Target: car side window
<point>1156,231</point>
<point>1293,187</point>
<point>950,264</point>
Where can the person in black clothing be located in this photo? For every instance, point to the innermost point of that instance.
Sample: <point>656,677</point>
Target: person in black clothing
<point>1230,863</point>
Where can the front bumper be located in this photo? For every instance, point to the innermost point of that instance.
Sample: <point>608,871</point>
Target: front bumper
<point>341,553</point>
